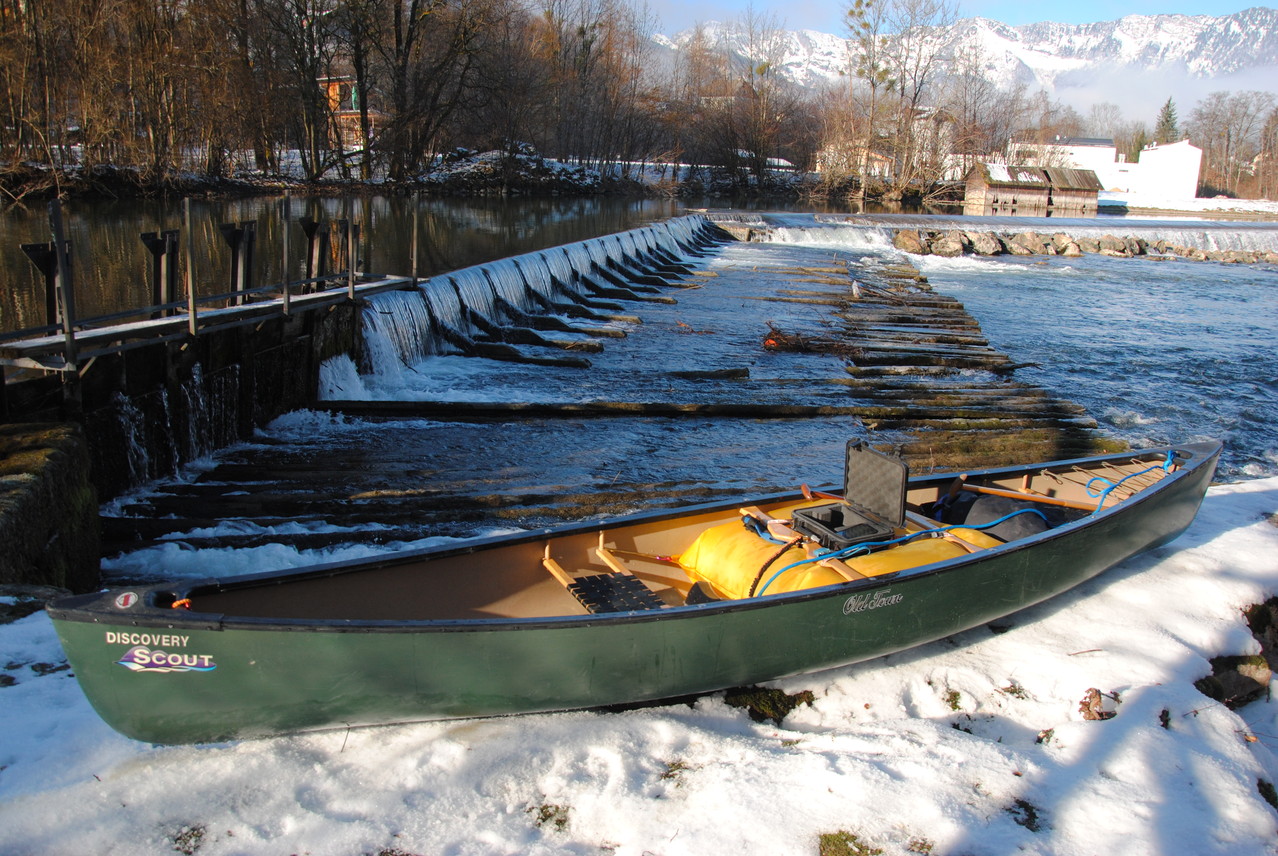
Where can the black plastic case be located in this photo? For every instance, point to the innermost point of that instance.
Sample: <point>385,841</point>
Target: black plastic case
<point>873,506</point>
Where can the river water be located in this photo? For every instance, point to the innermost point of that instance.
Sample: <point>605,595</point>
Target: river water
<point>1156,350</point>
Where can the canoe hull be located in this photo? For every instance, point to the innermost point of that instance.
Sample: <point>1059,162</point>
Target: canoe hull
<point>166,676</point>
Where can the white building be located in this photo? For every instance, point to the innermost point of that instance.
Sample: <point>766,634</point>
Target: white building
<point>1169,170</point>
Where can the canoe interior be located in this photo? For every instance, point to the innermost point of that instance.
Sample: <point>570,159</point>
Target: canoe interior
<point>510,579</point>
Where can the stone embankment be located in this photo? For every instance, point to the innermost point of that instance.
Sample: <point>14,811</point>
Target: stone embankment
<point>958,242</point>
<point>48,508</point>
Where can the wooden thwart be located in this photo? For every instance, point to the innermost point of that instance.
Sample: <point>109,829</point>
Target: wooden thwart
<point>1030,497</point>
<point>928,523</point>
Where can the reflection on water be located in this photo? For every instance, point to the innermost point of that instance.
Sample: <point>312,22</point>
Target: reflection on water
<point>111,264</point>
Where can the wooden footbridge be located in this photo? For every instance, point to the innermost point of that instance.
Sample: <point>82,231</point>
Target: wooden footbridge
<point>70,344</point>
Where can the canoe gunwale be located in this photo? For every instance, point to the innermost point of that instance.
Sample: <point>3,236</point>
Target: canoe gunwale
<point>97,607</point>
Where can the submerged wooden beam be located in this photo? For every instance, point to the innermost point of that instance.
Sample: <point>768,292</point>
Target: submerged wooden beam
<point>482,411</point>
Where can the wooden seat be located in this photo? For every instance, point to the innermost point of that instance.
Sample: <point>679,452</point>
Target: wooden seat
<point>620,591</point>
<point>614,593</point>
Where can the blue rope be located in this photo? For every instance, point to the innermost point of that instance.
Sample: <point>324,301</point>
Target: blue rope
<point>866,547</point>
<point>758,527</point>
<point>1165,466</point>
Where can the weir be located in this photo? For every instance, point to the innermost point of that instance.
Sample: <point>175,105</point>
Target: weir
<point>522,309</point>
<point>877,232</point>
<point>698,403</point>
<point>156,394</point>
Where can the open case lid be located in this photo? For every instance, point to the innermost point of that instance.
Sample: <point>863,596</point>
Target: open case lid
<point>875,482</point>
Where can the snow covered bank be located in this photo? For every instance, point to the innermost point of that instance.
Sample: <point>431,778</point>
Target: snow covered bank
<point>971,745</point>
<point>1112,201</point>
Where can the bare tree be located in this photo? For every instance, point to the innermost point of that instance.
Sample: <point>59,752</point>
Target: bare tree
<point>868,65</point>
<point>765,101</point>
<point>1267,161</point>
<point>916,57</point>
<point>1228,128</point>
<point>973,102</point>
<point>703,92</point>
<point>430,59</point>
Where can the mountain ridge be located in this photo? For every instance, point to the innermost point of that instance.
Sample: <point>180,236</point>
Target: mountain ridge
<point>1187,55</point>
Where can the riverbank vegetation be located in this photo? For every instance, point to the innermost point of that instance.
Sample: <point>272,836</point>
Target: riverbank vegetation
<point>117,96</point>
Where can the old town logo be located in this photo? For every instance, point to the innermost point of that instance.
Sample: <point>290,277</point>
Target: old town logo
<point>871,600</point>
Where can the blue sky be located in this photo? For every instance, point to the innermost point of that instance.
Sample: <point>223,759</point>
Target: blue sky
<point>827,15</point>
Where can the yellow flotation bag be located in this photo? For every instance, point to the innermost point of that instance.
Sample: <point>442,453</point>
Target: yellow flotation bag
<point>911,554</point>
<point>729,556</point>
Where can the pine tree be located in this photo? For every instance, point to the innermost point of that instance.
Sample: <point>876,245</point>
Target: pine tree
<point>1165,131</point>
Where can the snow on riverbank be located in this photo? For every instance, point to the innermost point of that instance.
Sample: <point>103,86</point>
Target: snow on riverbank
<point>971,745</point>
<point>1111,200</point>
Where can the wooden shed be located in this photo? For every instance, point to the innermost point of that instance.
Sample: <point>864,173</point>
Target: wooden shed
<point>994,188</point>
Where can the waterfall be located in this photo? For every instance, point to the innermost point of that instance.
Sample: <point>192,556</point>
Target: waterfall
<point>536,273</point>
<point>875,233</point>
<point>684,231</point>
<point>446,307</point>
<point>446,314</point>
<point>629,249</point>
<point>579,257</point>
<point>339,380</point>
<point>870,236</point>
<point>559,265</point>
<point>212,410</point>
<point>133,426</point>
<point>649,240</point>
<point>397,325</point>
<point>509,284</point>
<point>597,253</point>
<point>476,291</point>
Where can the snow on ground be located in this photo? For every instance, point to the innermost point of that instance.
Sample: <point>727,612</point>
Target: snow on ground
<point>1110,199</point>
<point>971,745</point>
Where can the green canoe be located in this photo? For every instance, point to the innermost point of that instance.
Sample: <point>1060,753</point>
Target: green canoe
<point>646,607</point>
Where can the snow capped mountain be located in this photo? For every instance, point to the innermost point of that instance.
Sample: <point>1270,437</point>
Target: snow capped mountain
<point>1199,46</point>
<point>806,57</point>
<point>1137,56</point>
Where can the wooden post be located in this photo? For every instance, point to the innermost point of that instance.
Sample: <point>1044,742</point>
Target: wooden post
<point>65,283</point>
<point>354,260</point>
<point>344,231</point>
<point>247,253</point>
<point>170,271</point>
<point>317,248</point>
<point>45,258</point>
<point>163,249</point>
<point>284,220</point>
<point>412,245</point>
<point>189,253</point>
<point>240,237</point>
